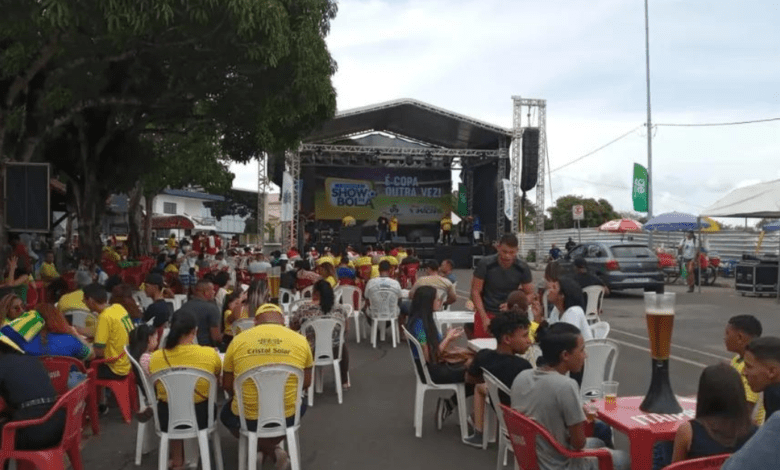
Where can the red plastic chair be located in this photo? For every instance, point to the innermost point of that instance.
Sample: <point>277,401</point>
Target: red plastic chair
<point>32,297</point>
<point>124,390</point>
<point>523,432</point>
<point>59,367</point>
<point>713,462</point>
<point>70,278</point>
<point>409,275</point>
<point>54,458</point>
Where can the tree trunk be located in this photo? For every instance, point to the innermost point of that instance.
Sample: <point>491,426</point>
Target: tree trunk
<point>135,221</point>
<point>149,203</point>
<point>89,209</point>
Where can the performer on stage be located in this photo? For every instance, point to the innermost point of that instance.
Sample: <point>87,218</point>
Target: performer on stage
<point>393,227</point>
<point>446,229</point>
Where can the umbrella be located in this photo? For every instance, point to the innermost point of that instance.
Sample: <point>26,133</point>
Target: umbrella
<point>621,226</point>
<point>675,222</point>
<point>772,226</point>
<point>714,225</point>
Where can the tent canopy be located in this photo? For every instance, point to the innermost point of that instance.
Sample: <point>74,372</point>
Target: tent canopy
<point>759,201</point>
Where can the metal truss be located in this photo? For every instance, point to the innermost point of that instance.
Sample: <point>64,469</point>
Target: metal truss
<point>536,117</point>
<point>396,151</point>
<point>500,215</point>
<point>262,191</point>
<point>290,230</point>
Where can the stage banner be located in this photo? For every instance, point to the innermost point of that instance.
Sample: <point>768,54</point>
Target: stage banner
<point>287,198</point>
<point>413,196</point>
<point>639,193</point>
<point>463,203</point>
<point>509,199</point>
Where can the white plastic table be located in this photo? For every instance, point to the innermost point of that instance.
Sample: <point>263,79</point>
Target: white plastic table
<point>447,318</point>
<point>482,343</point>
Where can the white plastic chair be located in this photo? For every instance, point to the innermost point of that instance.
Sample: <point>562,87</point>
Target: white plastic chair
<point>270,382</point>
<point>337,293</point>
<point>286,297</point>
<point>80,317</point>
<point>242,324</point>
<point>180,382</point>
<point>441,295</point>
<point>424,384</point>
<point>181,299</point>
<point>504,446</point>
<point>599,366</point>
<point>600,330</point>
<point>163,338</point>
<point>352,296</point>
<point>306,293</point>
<point>323,352</point>
<point>144,431</point>
<point>383,307</point>
<point>595,296</point>
<point>142,299</point>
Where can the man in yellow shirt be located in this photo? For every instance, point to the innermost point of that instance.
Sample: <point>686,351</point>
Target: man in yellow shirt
<point>393,227</point>
<point>75,301</point>
<point>48,271</point>
<point>348,221</point>
<point>740,331</point>
<point>446,228</point>
<point>270,342</point>
<point>111,335</point>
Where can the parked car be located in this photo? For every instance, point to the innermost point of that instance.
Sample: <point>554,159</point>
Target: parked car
<point>621,265</point>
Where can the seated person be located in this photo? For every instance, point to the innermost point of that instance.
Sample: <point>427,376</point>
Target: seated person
<point>181,350</point>
<point>28,393</point>
<point>57,338</point>
<point>552,399</point>
<point>235,309</point>
<point>433,279</point>
<point>159,311</point>
<point>511,333</point>
<point>761,451</point>
<point>445,271</point>
<point>243,354</point>
<point>48,271</point>
<point>566,297</point>
<point>328,272</point>
<point>740,331</point>
<point>722,424</point>
<point>762,370</point>
<point>11,307</point>
<point>111,335</point>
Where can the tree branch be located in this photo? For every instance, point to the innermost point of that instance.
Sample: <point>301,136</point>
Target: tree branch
<point>21,81</point>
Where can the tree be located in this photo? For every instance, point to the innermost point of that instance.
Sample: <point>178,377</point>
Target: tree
<point>596,212</point>
<point>97,75</point>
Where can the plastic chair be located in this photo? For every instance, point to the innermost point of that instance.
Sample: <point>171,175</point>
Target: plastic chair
<point>306,293</point>
<point>599,366</point>
<point>59,368</point>
<point>286,297</point>
<point>337,293</point>
<point>163,338</point>
<point>353,296</point>
<point>145,391</point>
<point>383,307</point>
<point>323,352</point>
<point>124,390</point>
<point>270,382</point>
<point>493,387</point>
<point>595,297</point>
<point>80,317</point>
<point>600,330</point>
<point>180,382</point>
<point>142,299</point>
<point>712,462</point>
<point>53,458</point>
<point>523,433</point>
<point>424,384</point>
<point>242,325</point>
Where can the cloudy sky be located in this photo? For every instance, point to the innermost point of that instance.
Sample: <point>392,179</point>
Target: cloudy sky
<point>712,61</point>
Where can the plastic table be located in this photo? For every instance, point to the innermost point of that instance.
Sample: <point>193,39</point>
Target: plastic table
<point>644,429</point>
<point>482,343</point>
<point>447,318</point>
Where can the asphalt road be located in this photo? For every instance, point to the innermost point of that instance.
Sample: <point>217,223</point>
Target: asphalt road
<point>373,428</point>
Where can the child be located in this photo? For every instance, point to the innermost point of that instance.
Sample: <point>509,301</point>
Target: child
<point>143,342</point>
<point>740,331</point>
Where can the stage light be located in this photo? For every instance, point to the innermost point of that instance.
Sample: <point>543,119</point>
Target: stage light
<point>428,159</point>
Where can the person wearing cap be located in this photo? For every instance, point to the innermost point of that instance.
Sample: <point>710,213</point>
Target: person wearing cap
<point>585,278</point>
<point>159,311</point>
<point>269,342</point>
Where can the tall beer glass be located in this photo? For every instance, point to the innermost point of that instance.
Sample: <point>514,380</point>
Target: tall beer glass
<point>274,280</point>
<point>659,312</point>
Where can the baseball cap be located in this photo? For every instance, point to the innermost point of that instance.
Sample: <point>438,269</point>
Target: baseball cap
<point>154,279</point>
<point>268,308</point>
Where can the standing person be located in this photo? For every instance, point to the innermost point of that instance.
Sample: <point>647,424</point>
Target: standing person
<point>205,311</point>
<point>740,331</point>
<point>552,399</point>
<point>171,244</point>
<point>446,229</point>
<point>569,245</point>
<point>687,249</point>
<point>381,228</point>
<point>762,370</point>
<point>495,277</point>
<point>393,227</point>
<point>290,348</point>
<point>722,424</point>
<point>555,252</point>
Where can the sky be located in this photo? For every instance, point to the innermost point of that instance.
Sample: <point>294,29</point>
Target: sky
<point>711,61</point>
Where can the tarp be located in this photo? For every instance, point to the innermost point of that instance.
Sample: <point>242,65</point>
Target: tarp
<point>759,200</point>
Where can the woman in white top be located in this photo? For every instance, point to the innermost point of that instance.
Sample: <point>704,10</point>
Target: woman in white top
<point>566,296</point>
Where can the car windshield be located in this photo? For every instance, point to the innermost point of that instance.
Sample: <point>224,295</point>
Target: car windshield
<point>631,252</point>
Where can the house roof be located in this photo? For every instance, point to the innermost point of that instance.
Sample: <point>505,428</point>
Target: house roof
<point>417,120</point>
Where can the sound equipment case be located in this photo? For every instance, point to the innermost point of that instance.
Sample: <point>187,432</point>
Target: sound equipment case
<point>757,277</point>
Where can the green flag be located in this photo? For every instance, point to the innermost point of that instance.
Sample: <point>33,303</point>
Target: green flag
<point>463,205</point>
<point>640,188</point>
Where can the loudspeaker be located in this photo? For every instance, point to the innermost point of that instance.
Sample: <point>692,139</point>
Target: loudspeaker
<point>349,235</point>
<point>530,158</point>
<point>27,197</point>
<point>368,240</point>
<point>427,240</point>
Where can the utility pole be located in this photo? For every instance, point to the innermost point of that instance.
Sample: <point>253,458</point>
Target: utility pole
<point>649,126</point>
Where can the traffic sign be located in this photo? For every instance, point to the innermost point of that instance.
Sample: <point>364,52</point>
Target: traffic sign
<point>578,212</point>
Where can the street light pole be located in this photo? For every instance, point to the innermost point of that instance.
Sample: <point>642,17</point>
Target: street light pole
<point>649,126</point>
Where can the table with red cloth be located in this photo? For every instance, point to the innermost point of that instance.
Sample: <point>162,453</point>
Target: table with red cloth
<point>644,429</point>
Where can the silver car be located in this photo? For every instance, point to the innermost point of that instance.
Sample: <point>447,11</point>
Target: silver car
<point>621,265</point>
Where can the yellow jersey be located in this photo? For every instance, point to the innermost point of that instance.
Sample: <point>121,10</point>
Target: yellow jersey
<point>113,327</point>
<point>374,271</point>
<point>394,224</point>
<point>332,281</point>
<point>264,344</point>
<point>446,224</point>
<point>187,355</point>
<point>229,325</point>
<point>362,261</point>
<point>326,259</point>
<point>738,363</point>
<point>48,272</point>
<point>171,268</point>
<point>390,259</point>
<point>72,301</point>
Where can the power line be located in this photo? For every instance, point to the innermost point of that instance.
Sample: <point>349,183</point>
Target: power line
<point>598,149</point>
<point>712,124</point>
<point>625,187</point>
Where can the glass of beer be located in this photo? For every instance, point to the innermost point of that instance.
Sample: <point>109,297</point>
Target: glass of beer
<point>610,389</point>
<point>274,280</point>
<point>659,312</point>
<point>591,411</point>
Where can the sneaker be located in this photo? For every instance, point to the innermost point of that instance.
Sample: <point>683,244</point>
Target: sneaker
<point>474,440</point>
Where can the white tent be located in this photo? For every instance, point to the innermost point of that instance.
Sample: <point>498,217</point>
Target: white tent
<point>759,200</point>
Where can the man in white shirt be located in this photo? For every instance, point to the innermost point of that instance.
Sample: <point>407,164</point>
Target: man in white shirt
<point>688,251</point>
<point>433,279</point>
<point>384,281</point>
<point>259,265</point>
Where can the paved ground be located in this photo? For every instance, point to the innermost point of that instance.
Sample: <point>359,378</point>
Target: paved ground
<point>373,428</point>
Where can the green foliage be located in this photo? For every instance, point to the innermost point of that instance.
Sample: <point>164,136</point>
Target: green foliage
<point>596,212</point>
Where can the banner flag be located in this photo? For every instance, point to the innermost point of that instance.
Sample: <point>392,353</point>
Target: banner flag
<point>639,193</point>
<point>509,199</point>
<point>463,205</point>
<point>287,198</point>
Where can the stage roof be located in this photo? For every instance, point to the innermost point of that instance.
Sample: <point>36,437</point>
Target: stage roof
<point>416,120</point>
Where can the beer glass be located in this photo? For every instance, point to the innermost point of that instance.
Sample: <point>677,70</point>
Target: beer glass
<point>659,312</point>
<point>274,280</point>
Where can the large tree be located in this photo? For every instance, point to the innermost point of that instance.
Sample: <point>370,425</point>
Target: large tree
<point>596,211</point>
<point>81,78</point>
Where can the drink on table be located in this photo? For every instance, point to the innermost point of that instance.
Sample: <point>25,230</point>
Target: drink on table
<point>610,389</point>
<point>274,281</point>
<point>659,312</point>
<point>659,329</point>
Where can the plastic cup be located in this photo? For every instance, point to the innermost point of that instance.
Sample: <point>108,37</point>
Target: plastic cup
<point>610,390</point>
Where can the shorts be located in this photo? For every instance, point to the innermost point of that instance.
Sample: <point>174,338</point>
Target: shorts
<point>105,372</point>
<point>233,422</point>
<point>40,436</point>
<point>201,414</point>
<point>480,331</point>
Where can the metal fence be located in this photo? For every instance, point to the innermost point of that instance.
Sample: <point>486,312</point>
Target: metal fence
<point>728,244</point>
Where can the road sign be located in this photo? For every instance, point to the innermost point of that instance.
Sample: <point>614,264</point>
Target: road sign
<point>578,212</point>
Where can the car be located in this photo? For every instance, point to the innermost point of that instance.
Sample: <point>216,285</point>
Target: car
<point>621,265</point>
